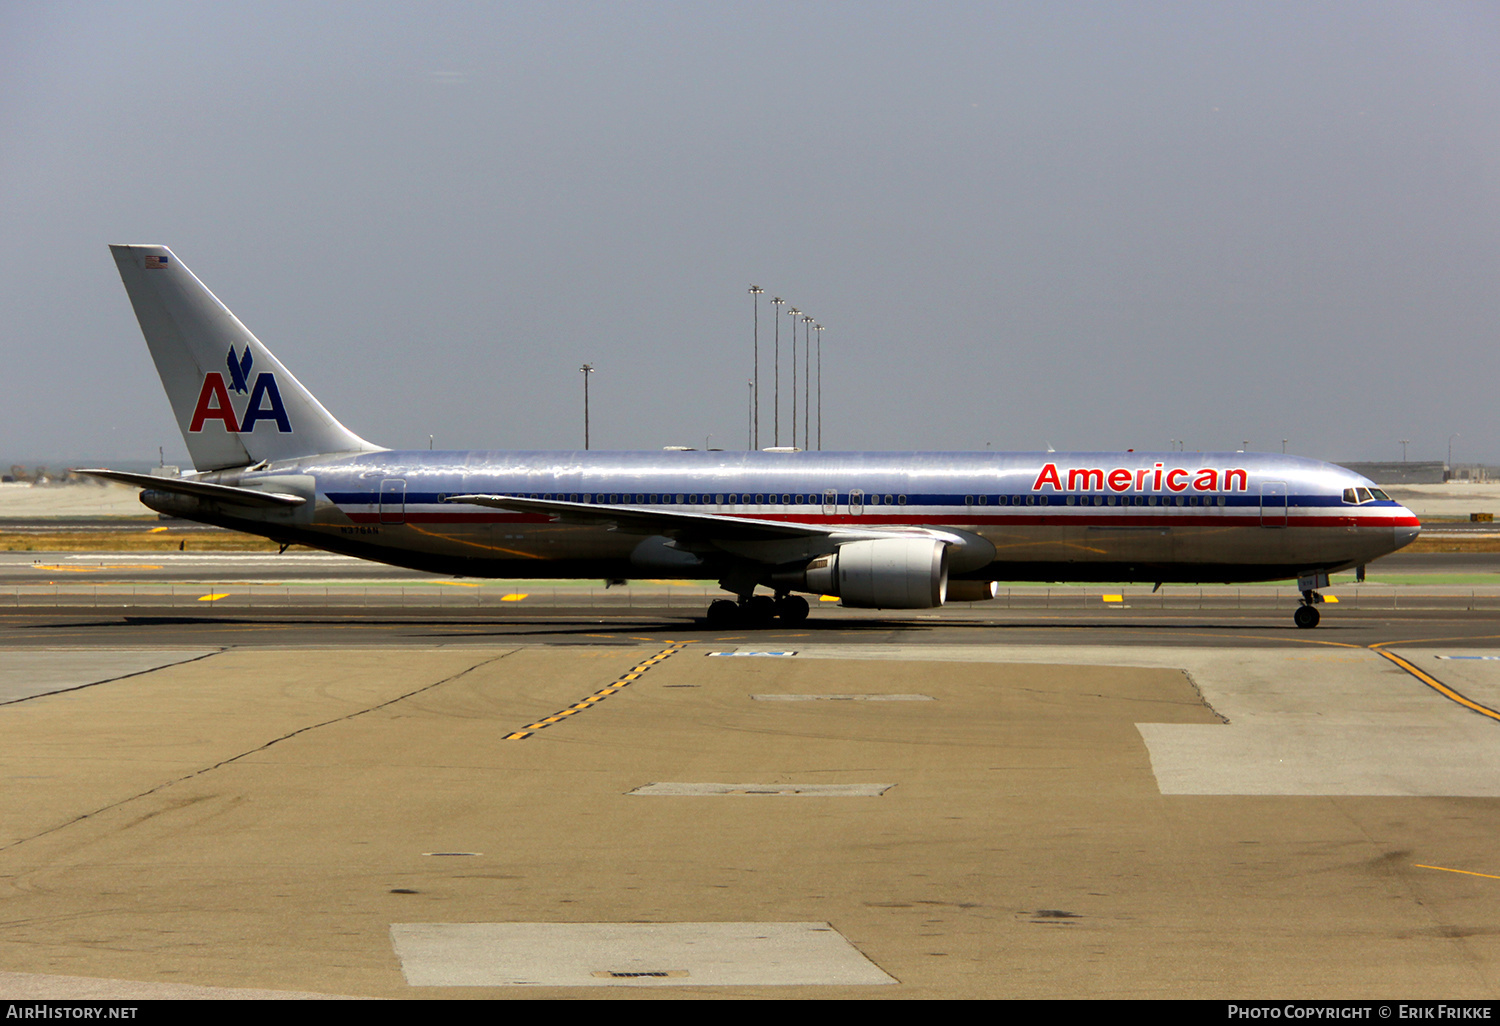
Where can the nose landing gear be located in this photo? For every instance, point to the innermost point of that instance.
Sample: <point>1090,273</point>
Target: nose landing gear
<point>1307,615</point>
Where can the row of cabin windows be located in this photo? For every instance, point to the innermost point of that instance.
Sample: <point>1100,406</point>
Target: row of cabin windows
<point>718,499</point>
<point>1149,500</point>
<point>832,498</point>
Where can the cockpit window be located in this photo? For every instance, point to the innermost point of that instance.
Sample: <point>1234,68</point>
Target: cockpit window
<point>1349,496</point>
<point>1380,495</point>
<point>1365,496</point>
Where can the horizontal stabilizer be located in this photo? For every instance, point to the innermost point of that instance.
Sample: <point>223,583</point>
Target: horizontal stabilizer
<point>200,489</point>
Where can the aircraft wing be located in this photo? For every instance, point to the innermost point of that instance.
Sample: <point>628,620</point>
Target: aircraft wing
<point>705,526</point>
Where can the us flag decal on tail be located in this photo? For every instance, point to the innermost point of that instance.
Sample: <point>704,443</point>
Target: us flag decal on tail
<point>155,262</point>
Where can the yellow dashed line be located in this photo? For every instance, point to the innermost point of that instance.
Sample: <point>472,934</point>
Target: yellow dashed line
<point>1465,872</point>
<point>598,696</point>
<point>213,598</point>
<point>93,569</point>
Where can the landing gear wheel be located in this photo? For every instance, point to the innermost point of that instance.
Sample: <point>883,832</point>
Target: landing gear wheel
<point>758,610</point>
<point>791,609</point>
<point>1306,616</point>
<point>723,613</point>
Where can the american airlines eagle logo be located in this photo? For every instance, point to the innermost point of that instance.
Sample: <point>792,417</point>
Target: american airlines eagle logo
<point>239,370</point>
<point>264,402</point>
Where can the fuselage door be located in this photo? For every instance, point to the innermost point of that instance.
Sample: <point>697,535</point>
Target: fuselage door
<point>856,502</point>
<point>830,502</point>
<point>1273,504</point>
<point>393,501</point>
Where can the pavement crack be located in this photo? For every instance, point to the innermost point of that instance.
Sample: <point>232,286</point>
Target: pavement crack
<point>111,680</point>
<point>252,751</point>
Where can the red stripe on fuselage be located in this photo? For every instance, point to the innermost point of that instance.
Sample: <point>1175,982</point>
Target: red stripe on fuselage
<point>1029,518</point>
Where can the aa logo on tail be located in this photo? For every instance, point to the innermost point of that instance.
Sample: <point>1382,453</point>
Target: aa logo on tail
<point>264,402</point>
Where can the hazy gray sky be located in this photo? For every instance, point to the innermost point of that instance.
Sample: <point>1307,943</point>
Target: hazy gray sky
<point>1099,225</point>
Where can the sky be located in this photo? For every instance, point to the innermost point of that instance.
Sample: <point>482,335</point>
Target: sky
<point>1090,226</point>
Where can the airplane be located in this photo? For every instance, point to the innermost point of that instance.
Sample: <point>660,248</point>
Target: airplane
<point>878,530</point>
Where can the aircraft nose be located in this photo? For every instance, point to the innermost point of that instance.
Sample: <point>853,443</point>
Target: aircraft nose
<point>1406,533</point>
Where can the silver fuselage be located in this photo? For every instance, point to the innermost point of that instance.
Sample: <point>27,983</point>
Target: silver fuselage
<point>1172,517</point>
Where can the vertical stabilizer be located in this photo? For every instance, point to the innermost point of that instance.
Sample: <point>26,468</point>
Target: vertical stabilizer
<point>234,401</point>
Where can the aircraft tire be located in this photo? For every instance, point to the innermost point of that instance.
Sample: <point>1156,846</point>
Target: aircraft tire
<point>1306,616</point>
<point>791,609</point>
<point>759,610</point>
<point>723,613</point>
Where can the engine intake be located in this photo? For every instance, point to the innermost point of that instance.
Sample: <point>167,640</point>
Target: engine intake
<point>894,573</point>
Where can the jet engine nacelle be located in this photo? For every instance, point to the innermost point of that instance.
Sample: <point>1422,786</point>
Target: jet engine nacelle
<point>889,573</point>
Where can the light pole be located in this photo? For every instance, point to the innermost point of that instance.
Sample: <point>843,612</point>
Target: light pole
<point>807,324</point>
<point>820,388</point>
<point>586,370</point>
<point>776,387</point>
<point>1403,449</point>
<point>793,312</point>
<point>755,291</point>
<point>750,419</point>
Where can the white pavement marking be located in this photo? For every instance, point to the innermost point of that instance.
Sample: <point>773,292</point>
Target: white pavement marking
<point>1301,721</point>
<point>670,789</point>
<point>841,698</point>
<point>629,955</point>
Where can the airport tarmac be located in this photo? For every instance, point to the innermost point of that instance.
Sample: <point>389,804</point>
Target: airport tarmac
<point>578,800</point>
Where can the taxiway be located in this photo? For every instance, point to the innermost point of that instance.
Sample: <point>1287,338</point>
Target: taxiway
<point>566,798</point>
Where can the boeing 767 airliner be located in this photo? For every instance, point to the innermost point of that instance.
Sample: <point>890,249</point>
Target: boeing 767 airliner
<point>879,530</point>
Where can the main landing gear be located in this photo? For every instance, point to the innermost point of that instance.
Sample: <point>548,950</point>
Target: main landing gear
<point>1307,615</point>
<point>758,611</point>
